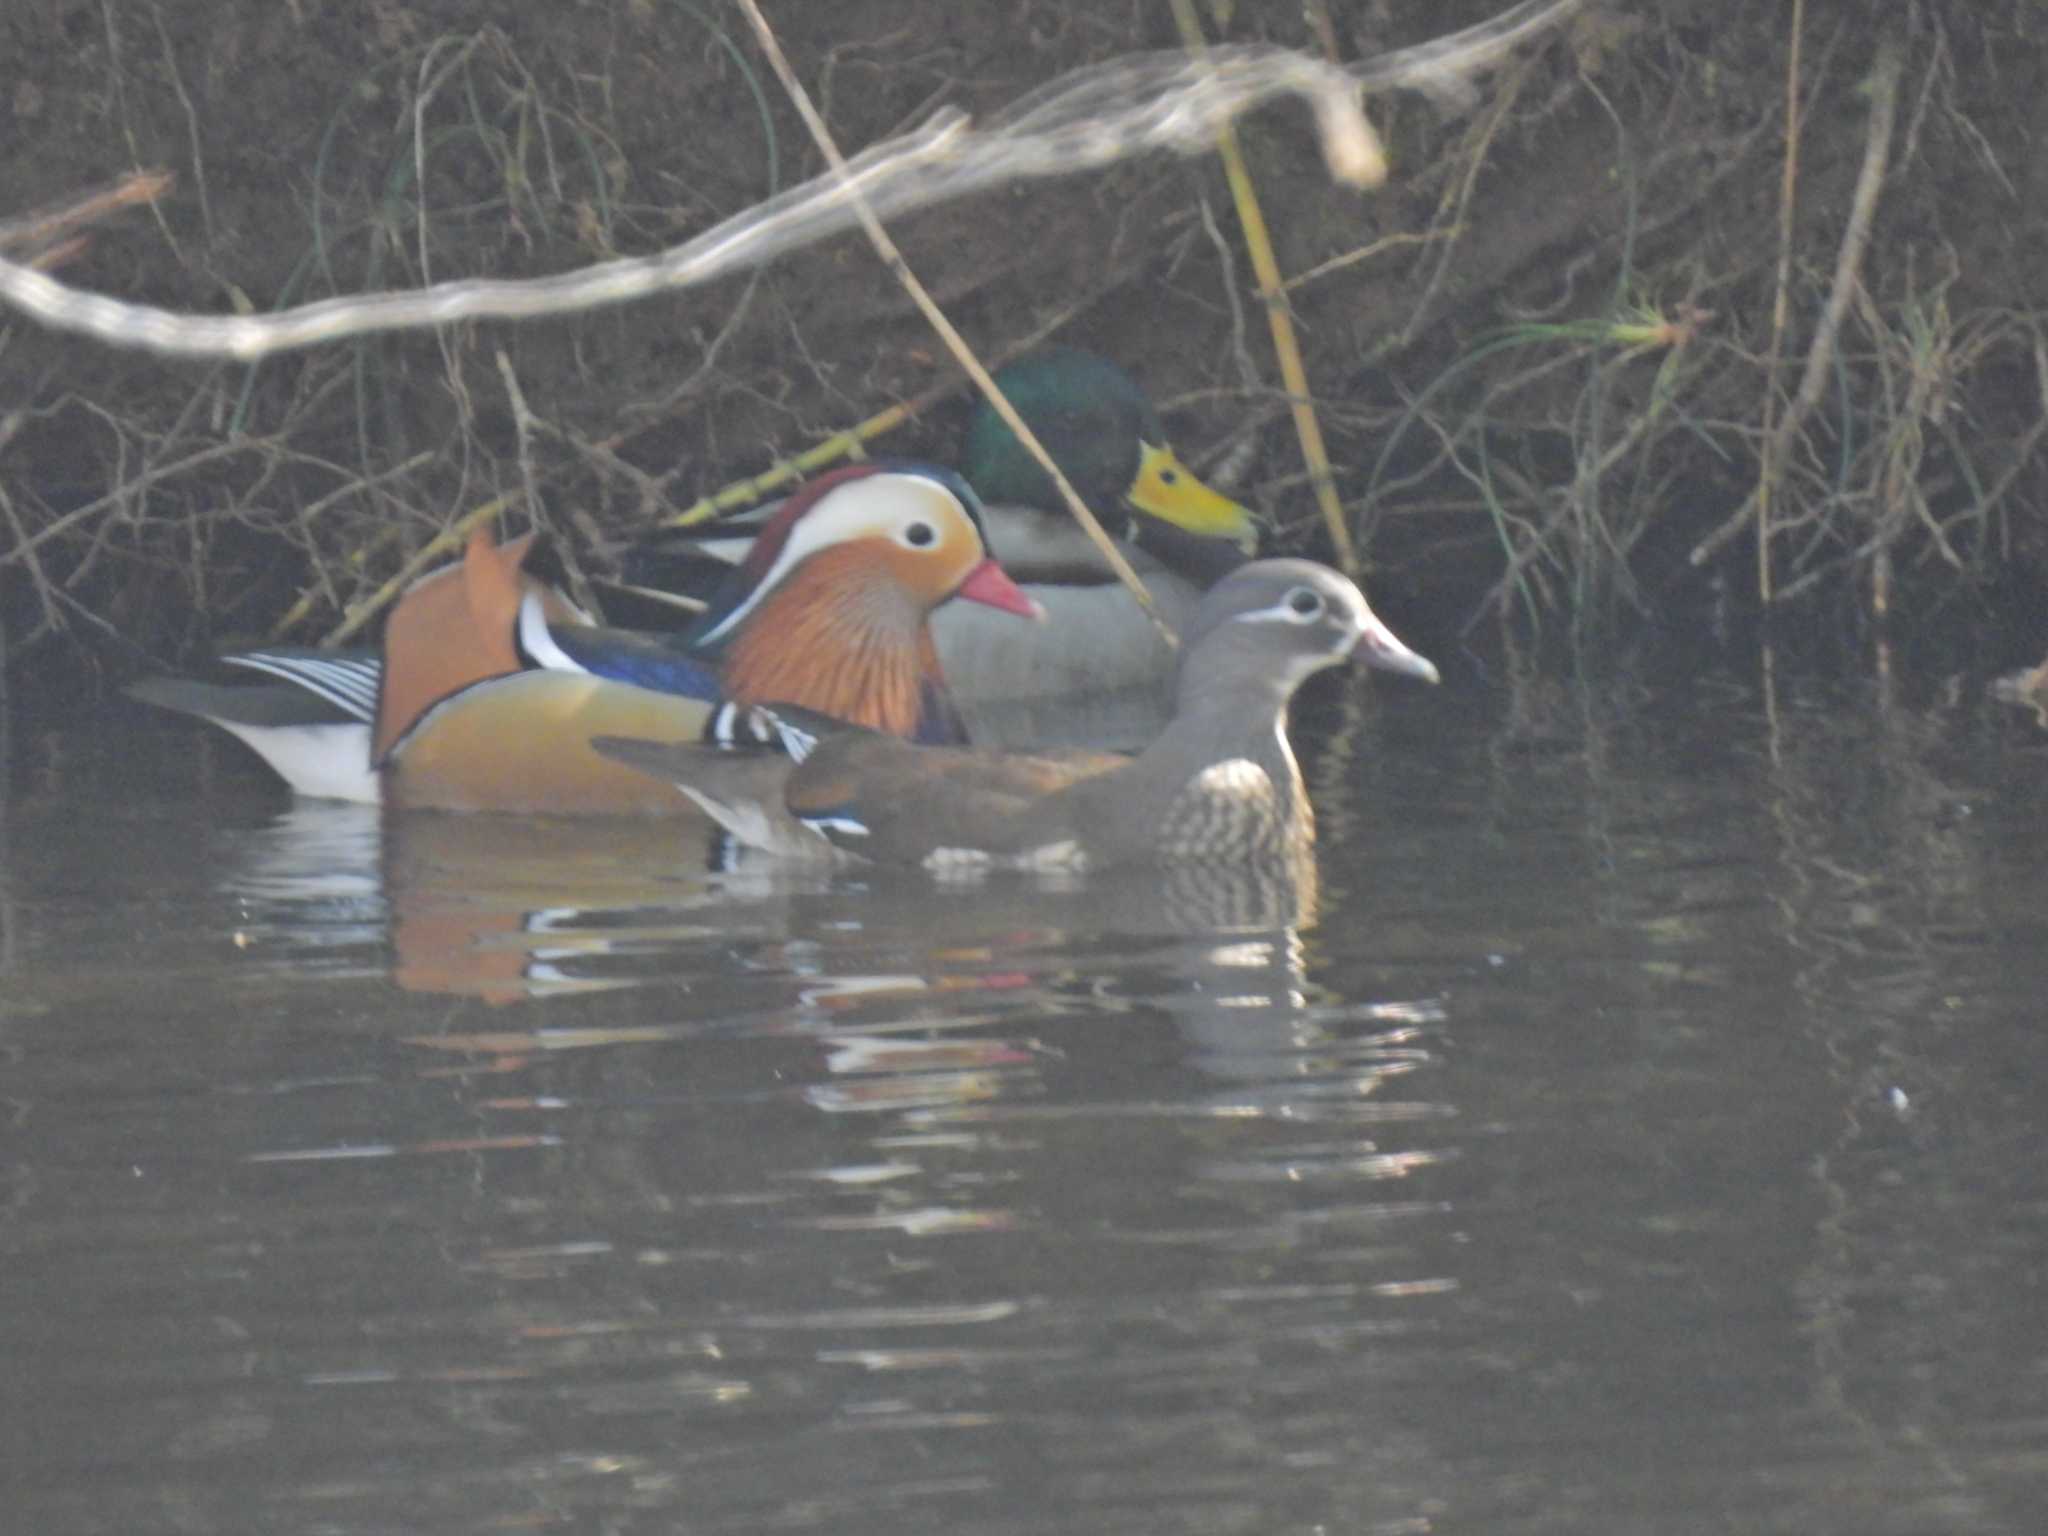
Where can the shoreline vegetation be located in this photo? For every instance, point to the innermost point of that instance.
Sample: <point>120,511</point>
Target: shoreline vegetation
<point>1605,319</point>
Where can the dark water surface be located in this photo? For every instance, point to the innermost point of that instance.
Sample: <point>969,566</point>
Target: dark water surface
<point>1647,1136</point>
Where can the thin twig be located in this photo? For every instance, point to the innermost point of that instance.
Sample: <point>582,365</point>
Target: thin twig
<point>1820,358</point>
<point>46,224</point>
<point>163,36</point>
<point>892,258</point>
<point>1781,307</point>
<point>1088,119</point>
<point>1367,252</point>
<point>304,605</point>
<point>448,539</point>
<point>744,493</point>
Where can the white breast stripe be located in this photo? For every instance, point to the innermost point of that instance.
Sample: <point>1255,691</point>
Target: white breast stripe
<point>537,643</point>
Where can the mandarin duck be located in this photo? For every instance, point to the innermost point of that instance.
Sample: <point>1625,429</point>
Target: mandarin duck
<point>1219,784</point>
<point>491,683</point>
<point>1107,438</point>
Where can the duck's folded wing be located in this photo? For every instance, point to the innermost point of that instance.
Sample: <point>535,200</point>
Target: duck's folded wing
<point>313,747</point>
<point>899,804</point>
<point>316,742</point>
<point>345,679</point>
<point>263,706</point>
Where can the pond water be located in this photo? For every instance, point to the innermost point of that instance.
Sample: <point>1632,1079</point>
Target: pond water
<point>1646,1135</point>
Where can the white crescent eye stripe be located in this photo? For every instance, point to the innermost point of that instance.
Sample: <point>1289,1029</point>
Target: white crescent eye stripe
<point>1284,612</point>
<point>874,504</point>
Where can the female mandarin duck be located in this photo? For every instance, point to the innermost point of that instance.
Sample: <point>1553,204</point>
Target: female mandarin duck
<point>492,683</point>
<point>1220,784</point>
<point>1107,439</point>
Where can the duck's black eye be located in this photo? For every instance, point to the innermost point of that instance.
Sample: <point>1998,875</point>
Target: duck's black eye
<point>920,535</point>
<point>1305,602</point>
<point>1169,477</point>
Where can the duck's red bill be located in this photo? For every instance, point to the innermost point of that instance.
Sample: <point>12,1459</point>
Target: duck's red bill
<point>989,583</point>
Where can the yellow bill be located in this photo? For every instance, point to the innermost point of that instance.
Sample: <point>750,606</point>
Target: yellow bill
<point>1167,489</point>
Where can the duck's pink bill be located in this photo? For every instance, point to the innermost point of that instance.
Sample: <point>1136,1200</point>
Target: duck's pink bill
<point>1378,647</point>
<point>989,583</point>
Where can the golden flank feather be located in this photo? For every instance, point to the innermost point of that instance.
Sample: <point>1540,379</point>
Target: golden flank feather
<point>522,743</point>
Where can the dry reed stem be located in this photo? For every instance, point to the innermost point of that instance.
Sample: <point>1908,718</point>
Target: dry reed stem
<point>847,444</point>
<point>744,493</point>
<point>446,541</point>
<point>1273,293</point>
<point>1820,357</point>
<point>892,258</point>
<point>1769,467</point>
<point>48,224</point>
<point>738,494</point>
<point>526,423</point>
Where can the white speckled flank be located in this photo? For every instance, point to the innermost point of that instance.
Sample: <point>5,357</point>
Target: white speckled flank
<point>1229,809</point>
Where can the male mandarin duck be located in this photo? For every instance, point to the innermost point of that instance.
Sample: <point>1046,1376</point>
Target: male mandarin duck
<point>1106,436</point>
<point>1220,784</point>
<point>492,683</point>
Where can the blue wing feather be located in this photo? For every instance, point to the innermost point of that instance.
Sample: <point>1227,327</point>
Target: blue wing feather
<point>645,661</point>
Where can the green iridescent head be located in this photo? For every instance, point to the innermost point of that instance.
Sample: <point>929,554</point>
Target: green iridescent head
<point>1107,439</point>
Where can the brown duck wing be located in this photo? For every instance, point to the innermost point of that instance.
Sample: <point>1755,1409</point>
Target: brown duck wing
<point>899,804</point>
<point>1023,775</point>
